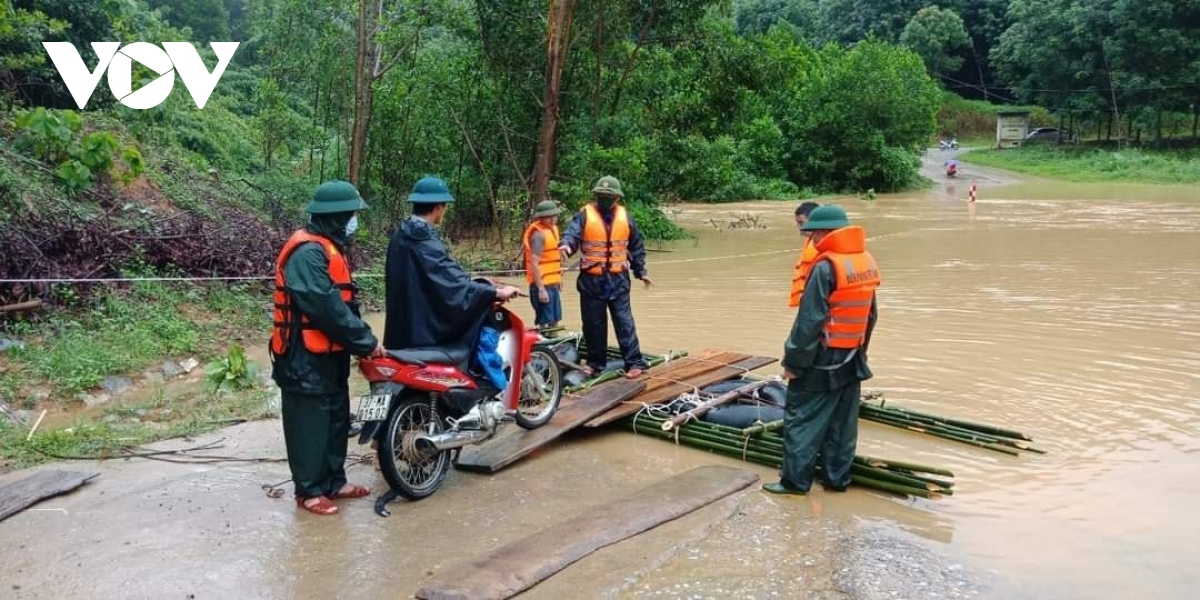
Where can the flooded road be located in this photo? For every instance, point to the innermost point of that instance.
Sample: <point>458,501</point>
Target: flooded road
<point>1069,312</point>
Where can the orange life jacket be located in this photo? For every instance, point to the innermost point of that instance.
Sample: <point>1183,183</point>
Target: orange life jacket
<point>602,246</point>
<point>856,276</point>
<point>550,260</point>
<point>800,272</point>
<point>286,319</point>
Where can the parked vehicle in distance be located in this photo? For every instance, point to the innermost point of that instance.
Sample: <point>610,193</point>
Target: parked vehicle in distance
<point>1048,134</point>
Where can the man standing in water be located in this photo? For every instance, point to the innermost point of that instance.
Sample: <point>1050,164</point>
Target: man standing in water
<point>807,254</point>
<point>611,245</point>
<point>543,265</point>
<point>825,357</point>
<point>317,327</point>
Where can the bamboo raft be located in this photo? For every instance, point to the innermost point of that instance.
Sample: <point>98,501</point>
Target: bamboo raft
<point>676,375</point>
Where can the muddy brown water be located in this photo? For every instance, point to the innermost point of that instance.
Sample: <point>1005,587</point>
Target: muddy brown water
<point>1069,312</point>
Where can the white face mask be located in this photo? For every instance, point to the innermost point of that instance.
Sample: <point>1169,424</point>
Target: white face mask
<point>352,226</point>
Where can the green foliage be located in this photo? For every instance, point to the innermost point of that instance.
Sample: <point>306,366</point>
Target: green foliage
<point>1102,54</point>
<point>976,119</point>
<point>53,136</point>
<point>936,35</point>
<point>654,224</point>
<point>47,134</point>
<point>233,371</point>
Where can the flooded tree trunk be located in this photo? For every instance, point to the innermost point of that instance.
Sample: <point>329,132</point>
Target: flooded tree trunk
<point>558,33</point>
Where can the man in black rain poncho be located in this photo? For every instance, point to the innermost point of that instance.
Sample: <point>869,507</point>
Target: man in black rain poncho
<point>431,301</point>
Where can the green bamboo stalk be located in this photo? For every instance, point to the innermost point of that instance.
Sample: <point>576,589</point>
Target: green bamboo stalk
<point>980,427</point>
<point>958,438</point>
<point>886,463</point>
<point>981,437</point>
<point>893,487</point>
<point>763,428</point>
<point>756,452</point>
<point>715,435</point>
<point>899,415</point>
<point>899,478</point>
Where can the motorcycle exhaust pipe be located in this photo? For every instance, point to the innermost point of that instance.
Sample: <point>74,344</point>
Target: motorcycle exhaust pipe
<point>449,440</point>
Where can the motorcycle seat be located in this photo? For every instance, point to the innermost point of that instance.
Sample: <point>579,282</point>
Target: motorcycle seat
<point>455,354</point>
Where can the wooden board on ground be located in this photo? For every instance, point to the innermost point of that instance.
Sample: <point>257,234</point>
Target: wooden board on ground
<point>17,496</point>
<point>670,390</point>
<point>514,442</point>
<point>513,568</point>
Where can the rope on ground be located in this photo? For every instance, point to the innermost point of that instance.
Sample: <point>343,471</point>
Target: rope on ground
<point>276,490</point>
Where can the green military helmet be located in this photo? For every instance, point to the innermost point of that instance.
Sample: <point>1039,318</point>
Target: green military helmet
<point>826,217</point>
<point>608,185</point>
<point>335,196</point>
<point>546,208</point>
<point>430,190</point>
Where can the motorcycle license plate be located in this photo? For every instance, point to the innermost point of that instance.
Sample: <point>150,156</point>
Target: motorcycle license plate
<point>373,408</point>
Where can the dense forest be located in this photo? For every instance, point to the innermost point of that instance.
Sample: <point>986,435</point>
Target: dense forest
<point>512,101</point>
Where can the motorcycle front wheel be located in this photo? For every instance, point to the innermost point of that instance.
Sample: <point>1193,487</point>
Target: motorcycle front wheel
<point>412,473</point>
<point>541,389</point>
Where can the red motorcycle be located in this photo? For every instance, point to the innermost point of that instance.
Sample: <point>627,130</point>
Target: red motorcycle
<point>427,403</point>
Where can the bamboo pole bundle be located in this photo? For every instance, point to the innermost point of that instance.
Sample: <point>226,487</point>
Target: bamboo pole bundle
<point>766,447</point>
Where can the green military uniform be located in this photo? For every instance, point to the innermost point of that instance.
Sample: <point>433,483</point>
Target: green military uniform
<point>315,387</point>
<point>821,412</point>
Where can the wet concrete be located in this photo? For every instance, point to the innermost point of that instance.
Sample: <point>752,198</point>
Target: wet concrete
<point>1067,311</point>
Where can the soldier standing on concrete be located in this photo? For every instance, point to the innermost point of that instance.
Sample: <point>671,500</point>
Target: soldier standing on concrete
<point>317,327</point>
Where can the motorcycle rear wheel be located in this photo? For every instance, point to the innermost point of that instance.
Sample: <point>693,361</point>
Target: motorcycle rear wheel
<point>410,472</point>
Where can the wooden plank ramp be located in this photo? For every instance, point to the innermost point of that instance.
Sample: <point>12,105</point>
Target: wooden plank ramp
<point>16,497</point>
<point>576,409</point>
<point>518,566</point>
<point>724,366</point>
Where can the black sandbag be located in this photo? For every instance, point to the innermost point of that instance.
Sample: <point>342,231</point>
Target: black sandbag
<point>566,353</point>
<point>614,364</point>
<point>724,387</point>
<point>573,378</point>
<point>742,416</point>
<point>774,393</point>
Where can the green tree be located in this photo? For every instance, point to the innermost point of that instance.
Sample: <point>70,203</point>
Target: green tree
<point>936,35</point>
<point>208,19</point>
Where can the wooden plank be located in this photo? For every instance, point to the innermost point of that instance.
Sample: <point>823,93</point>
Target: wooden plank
<point>667,392</point>
<point>515,442</point>
<point>660,378</point>
<point>16,497</point>
<point>518,566</point>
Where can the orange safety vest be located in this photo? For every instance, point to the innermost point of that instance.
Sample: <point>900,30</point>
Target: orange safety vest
<point>285,320</point>
<point>800,271</point>
<point>602,246</point>
<point>856,276</point>
<point>550,260</point>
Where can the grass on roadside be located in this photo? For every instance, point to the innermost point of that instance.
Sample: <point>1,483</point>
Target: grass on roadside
<point>131,424</point>
<point>1093,164</point>
<point>126,331</point>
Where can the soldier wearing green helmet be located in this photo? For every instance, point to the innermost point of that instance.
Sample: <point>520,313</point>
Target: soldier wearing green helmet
<point>317,326</point>
<point>611,246</point>
<point>825,357</point>
<point>431,301</point>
